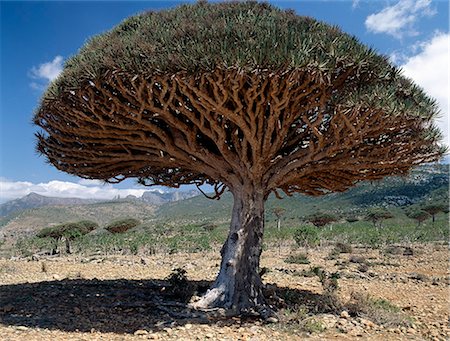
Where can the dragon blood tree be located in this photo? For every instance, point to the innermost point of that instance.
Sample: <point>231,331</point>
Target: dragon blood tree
<point>244,97</point>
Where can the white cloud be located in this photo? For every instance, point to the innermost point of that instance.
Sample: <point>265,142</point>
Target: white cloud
<point>86,189</point>
<point>48,71</point>
<point>88,182</point>
<point>398,20</point>
<point>429,68</point>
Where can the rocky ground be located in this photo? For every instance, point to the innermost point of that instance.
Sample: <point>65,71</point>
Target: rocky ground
<point>128,297</point>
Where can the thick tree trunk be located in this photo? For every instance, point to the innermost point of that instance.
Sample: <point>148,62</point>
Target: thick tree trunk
<point>238,286</point>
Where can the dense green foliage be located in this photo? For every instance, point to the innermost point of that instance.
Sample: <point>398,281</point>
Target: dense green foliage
<point>195,38</point>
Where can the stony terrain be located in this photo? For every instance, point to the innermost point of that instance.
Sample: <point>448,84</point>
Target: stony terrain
<point>126,297</point>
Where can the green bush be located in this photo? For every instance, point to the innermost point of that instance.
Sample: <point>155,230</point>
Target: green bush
<point>307,236</point>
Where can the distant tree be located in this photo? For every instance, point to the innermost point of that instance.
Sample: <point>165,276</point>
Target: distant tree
<point>241,96</point>
<point>419,216</point>
<point>321,219</point>
<point>434,209</point>
<point>279,212</point>
<point>53,233</point>
<point>122,225</point>
<point>68,232</point>
<point>377,215</point>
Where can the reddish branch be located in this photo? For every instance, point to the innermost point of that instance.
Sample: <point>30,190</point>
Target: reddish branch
<point>228,128</point>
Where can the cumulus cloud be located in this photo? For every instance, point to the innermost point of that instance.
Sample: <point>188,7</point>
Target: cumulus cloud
<point>46,72</point>
<point>86,189</point>
<point>399,20</point>
<point>429,68</point>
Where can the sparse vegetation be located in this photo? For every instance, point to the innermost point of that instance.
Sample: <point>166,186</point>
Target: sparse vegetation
<point>378,310</point>
<point>307,236</point>
<point>298,258</point>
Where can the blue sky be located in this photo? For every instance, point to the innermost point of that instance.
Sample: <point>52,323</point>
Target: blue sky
<point>36,38</point>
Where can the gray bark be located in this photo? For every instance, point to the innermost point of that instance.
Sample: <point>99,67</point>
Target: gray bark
<point>238,286</point>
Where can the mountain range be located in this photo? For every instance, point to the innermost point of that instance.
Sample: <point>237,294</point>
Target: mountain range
<point>34,200</point>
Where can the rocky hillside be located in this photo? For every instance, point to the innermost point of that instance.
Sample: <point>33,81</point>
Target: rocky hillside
<point>34,200</point>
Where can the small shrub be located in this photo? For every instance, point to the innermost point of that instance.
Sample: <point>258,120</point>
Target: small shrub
<point>298,318</point>
<point>343,248</point>
<point>299,258</point>
<point>380,311</point>
<point>179,285</point>
<point>328,280</point>
<point>307,236</point>
<point>312,326</point>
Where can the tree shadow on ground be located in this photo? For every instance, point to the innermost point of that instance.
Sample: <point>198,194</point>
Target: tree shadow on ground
<point>118,306</point>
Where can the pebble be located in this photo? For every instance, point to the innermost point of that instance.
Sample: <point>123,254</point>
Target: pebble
<point>344,314</point>
<point>140,332</point>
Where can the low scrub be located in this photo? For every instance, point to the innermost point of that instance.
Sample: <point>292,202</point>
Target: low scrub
<point>380,311</point>
<point>307,236</point>
<point>298,258</point>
